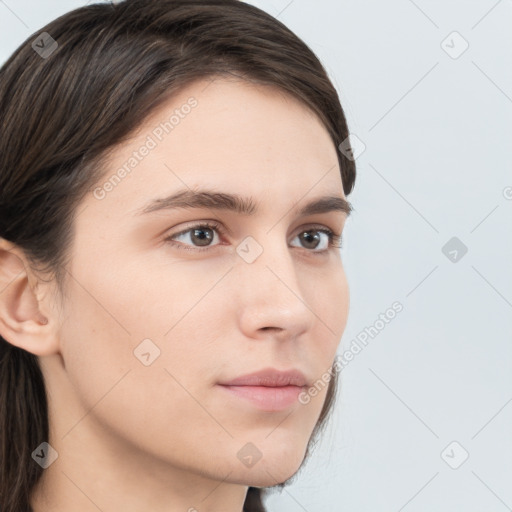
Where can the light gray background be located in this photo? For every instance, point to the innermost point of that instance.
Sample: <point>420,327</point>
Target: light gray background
<point>438,159</point>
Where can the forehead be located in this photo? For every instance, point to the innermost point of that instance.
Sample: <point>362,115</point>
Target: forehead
<point>225,134</point>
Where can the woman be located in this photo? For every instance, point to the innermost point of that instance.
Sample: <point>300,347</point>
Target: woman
<point>172,199</point>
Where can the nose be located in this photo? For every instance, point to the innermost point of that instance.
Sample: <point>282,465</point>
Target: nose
<point>270,295</point>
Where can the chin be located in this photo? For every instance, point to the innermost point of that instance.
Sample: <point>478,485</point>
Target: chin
<point>275,467</point>
<point>264,477</point>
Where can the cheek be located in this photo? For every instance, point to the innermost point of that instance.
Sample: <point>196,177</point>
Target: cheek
<point>95,349</point>
<point>148,406</point>
<point>113,327</point>
<point>341,301</point>
<point>330,302</point>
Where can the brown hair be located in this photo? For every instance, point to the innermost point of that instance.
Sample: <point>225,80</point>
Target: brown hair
<point>60,113</point>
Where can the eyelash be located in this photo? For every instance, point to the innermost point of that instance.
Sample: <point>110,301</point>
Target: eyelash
<point>334,239</point>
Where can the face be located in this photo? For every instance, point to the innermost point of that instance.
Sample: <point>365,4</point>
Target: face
<point>160,309</point>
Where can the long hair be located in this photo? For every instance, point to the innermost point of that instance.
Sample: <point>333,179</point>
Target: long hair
<point>75,89</point>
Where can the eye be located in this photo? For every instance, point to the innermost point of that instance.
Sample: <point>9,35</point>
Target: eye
<point>202,235</point>
<point>311,237</point>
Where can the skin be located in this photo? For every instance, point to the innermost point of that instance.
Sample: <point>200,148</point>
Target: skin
<point>165,437</point>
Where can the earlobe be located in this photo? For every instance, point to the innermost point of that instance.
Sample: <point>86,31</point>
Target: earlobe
<point>22,321</point>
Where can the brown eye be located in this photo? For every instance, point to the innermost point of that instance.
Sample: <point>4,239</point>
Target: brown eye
<point>197,236</point>
<point>200,238</point>
<point>312,239</point>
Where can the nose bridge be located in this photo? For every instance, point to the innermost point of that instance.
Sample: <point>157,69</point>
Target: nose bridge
<point>269,291</point>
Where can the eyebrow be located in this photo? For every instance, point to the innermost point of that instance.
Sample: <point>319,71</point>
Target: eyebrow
<point>233,202</point>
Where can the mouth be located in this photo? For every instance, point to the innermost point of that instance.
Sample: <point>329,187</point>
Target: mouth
<point>266,398</point>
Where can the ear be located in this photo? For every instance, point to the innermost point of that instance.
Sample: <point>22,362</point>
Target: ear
<point>26,319</point>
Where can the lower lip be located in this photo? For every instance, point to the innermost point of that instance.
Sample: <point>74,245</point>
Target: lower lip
<point>267,398</point>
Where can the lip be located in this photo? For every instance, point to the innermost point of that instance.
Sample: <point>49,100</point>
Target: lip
<point>270,377</point>
<point>266,398</point>
<point>269,389</point>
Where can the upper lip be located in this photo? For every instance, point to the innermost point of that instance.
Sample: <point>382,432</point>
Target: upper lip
<point>270,377</point>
